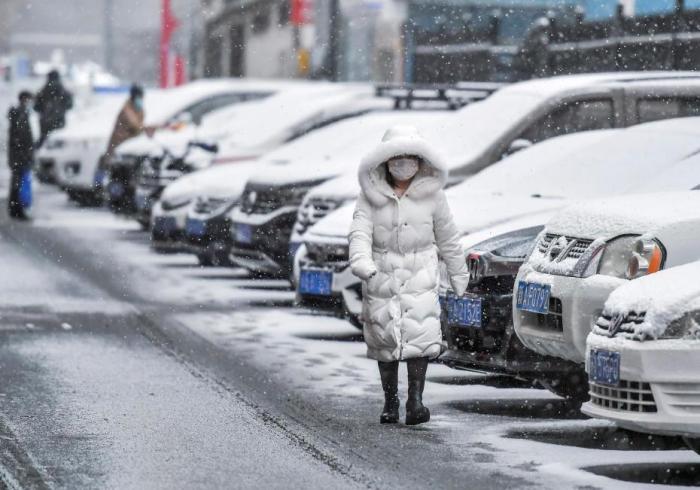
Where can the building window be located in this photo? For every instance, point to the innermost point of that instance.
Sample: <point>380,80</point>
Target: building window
<point>261,20</point>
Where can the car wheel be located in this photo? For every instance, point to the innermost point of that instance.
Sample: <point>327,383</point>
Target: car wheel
<point>572,385</point>
<point>693,443</point>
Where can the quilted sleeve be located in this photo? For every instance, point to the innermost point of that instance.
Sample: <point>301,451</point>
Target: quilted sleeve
<point>360,238</point>
<point>447,239</point>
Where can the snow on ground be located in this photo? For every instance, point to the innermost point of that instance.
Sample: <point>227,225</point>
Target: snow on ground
<point>523,432</point>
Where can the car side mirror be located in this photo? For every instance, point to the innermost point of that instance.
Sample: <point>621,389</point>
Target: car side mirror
<point>517,145</point>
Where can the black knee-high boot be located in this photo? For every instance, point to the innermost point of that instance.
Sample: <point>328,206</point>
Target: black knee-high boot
<point>416,413</point>
<point>389,372</point>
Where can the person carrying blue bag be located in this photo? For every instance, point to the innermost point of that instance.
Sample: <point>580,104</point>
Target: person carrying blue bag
<point>20,158</point>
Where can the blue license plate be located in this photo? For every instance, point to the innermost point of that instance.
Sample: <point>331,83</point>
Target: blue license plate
<point>244,233</point>
<point>533,297</point>
<point>315,282</point>
<point>195,227</point>
<point>465,312</point>
<point>164,224</point>
<point>142,201</point>
<point>116,189</point>
<point>604,367</point>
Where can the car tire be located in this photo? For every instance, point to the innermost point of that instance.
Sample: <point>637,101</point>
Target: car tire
<point>572,385</point>
<point>693,443</point>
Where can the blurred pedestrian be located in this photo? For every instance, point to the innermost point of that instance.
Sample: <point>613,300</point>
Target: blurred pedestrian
<point>52,102</point>
<point>401,222</point>
<point>20,157</point>
<point>130,121</point>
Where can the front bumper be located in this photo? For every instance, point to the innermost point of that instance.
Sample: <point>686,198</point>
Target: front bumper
<point>168,228</point>
<point>575,303</point>
<point>268,247</point>
<point>493,346</point>
<point>210,232</point>
<point>665,372</point>
<point>342,280</point>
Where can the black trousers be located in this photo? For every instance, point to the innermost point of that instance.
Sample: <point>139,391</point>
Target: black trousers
<point>14,205</point>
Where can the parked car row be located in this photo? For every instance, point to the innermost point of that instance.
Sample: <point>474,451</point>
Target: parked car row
<point>575,197</point>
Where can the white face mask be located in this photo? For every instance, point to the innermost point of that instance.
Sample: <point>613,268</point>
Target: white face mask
<point>403,168</point>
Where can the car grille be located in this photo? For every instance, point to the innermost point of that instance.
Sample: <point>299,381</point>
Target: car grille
<point>208,205</point>
<point>625,324</point>
<point>554,319</point>
<point>312,212</point>
<point>261,200</point>
<point>628,396</point>
<point>575,249</point>
<point>326,253</point>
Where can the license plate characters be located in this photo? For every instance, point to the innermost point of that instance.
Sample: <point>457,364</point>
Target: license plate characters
<point>533,297</point>
<point>164,224</point>
<point>244,233</point>
<point>604,367</point>
<point>464,311</point>
<point>195,227</point>
<point>315,282</point>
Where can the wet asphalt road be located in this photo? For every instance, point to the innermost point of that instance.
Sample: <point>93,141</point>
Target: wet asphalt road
<point>103,388</point>
<point>120,372</point>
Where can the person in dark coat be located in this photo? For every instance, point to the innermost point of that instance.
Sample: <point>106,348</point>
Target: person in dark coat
<point>52,103</point>
<point>20,152</point>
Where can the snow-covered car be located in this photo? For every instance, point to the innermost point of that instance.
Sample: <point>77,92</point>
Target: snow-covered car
<point>263,222</point>
<point>60,158</point>
<point>643,355</point>
<point>179,109</point>
<point>594,247</point>
<point>517,116</point>
<point>295,113</point>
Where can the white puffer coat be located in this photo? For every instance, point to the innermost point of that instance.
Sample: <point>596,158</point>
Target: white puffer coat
<point>400,238</point>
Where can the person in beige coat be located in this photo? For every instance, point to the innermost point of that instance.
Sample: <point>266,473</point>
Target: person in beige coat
<point>401,227</point>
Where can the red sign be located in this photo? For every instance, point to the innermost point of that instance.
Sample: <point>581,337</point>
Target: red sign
<point>301,12</point>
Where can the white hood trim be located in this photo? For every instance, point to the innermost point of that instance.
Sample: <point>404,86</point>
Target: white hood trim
<point>398,141</point>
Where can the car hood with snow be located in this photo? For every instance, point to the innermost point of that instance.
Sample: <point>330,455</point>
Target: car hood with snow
<point>221,181</point>
<point>657,301</point>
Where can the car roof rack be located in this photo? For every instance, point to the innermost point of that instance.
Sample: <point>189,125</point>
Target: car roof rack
<point>454,95</point>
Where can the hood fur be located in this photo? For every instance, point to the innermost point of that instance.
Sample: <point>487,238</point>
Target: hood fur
<point>398,141</point>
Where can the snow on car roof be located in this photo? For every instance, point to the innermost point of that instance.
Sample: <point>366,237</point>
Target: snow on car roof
<point>631,214</point>
<point>479,124</point>
<point>337,148</point>
<point>267,123</point>
<point>161,105</point>
<point>592,163</point>
<point>664,297</point>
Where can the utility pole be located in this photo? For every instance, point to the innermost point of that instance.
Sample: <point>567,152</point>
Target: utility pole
<point>109,35</point>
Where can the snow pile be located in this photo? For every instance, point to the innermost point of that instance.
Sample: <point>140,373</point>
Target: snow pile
<point>664,297</point>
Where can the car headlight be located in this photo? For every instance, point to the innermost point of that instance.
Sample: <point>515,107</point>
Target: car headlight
<point>630,257</point>
<point>685,327</point>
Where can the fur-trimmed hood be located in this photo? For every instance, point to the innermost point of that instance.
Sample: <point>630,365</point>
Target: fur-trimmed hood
<point>398,141</point>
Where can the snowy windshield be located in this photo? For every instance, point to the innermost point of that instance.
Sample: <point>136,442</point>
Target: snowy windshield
<point>475,127</point>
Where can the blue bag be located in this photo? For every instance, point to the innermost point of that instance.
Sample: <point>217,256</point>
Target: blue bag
<point>25,190</point>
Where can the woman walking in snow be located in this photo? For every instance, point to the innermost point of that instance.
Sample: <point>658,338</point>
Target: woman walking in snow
<point>401,222</point>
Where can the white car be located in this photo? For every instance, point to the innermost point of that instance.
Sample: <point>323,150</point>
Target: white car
<point>264,220</point>
<point>295,113</point>
<point>519,115</point>
<point>60,158</point>
<point>643,355</point>
<point>169,216</point>
<point>594,247</point>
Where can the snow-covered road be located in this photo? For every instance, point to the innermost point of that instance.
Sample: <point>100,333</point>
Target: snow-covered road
<point>123,369</point>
